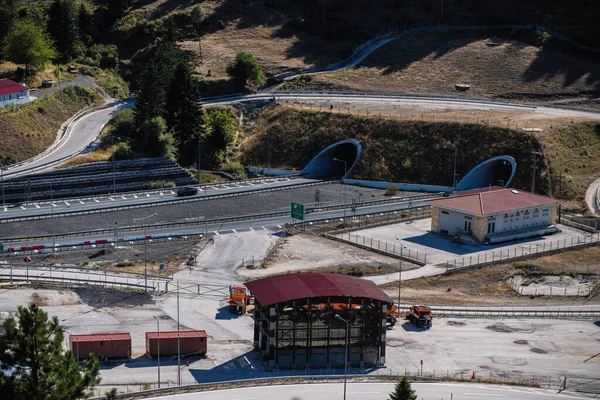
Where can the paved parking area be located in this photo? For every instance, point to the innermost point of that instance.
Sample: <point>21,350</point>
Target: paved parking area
<point>415,236</point>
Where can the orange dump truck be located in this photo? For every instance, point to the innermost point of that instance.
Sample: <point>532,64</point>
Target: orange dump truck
<point>421,316</point>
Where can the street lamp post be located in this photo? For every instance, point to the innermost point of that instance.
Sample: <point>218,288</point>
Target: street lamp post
<point>2,168</point>
<point>345,188</point>
<point>346,353</point>
<point>145,249</point>
<point>454,173</point>
<point>399,274</point>
<point>158,347</point>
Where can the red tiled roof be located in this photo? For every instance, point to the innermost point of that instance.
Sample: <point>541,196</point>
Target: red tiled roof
<point>298,286</point>
<point>99,337</point>
<point>7,86</point>
<point>480,190</point>
<point>490,202</point>
<point>173,334</point>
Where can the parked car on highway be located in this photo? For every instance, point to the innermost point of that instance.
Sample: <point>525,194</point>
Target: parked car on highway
<point>187,191</point>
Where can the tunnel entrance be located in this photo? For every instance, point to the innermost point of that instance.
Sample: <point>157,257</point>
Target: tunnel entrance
<point>334,162</point>
<point>497,171</point>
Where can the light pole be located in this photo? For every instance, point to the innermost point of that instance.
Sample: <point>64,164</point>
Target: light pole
<point>345,188</point>
<point>158,347</point>
<point>52,207</point>
<point>178,342</point>
<point>112,137</point>
<point>399,274</point>
<point>346,354</point>
<point>454,173</point>
<point>145,250</point>
<point>2,168</point>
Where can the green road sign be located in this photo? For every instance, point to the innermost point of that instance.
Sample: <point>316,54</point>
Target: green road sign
<point>298,211</point>
<point>353,208</point>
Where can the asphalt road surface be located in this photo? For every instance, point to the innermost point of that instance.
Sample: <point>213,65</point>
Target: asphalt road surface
<point>80,135</point>
<point>375,391</point>
<point>59,207</point>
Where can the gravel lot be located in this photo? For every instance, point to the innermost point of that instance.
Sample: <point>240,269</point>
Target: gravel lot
<point>243,205</point>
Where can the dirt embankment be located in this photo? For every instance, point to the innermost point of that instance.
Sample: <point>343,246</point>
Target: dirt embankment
<point>505,68</point>
<point>488,285</point>
<point>29,129</point>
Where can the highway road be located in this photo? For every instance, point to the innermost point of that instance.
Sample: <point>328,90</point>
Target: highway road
<point>92,204</point>
<point>271,223</point>
<point>374,391</point>
<point>79,136</point>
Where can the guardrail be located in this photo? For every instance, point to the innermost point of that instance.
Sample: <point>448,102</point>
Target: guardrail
<point>157,203</point>
<point>91,271</point>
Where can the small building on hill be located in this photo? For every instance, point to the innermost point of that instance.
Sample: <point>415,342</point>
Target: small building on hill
<point>494,215</point>
<point>13,93</point>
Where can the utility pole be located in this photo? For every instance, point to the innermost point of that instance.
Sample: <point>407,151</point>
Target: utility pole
<point>535,159</point>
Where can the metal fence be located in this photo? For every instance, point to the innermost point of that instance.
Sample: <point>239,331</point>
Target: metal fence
<point>382,247</point>
<point>524,287</point>
<point>522,252</point>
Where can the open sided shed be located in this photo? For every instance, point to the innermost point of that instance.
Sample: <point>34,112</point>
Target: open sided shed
<point>295,324</point>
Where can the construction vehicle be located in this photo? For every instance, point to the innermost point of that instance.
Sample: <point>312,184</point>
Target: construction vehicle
<point>239,298</point>
<point>392,314</point>
<point>421,316</point>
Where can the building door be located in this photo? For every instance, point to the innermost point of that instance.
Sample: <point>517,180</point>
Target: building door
<point>491,227</point>
<point>467,226</point>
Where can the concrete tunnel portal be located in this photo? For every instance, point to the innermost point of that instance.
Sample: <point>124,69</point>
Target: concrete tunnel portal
<point>335,162</point>
<point>497,171</point>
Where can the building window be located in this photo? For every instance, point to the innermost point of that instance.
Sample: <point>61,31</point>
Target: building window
<point>491,227</point>
<point>467,226</point>
<point>445,212</point>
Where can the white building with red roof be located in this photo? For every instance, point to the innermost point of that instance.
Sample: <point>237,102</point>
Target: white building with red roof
<point>13,93</point>
<point>494,215</point>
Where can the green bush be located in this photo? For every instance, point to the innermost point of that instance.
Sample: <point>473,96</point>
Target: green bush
<point>244,70</point>
<point>392,190</point>
<point>161,184</point>
<point>122,264</point>
<point>235,168</point>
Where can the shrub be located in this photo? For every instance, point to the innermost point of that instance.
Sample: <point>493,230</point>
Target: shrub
<point>244,70</point>
<point>392,190</point>
<point>161,184</point>
<point>198,16</point>
<point>235,168</point>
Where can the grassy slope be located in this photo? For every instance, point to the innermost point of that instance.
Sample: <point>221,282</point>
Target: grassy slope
<point>573,151</point>
<point>402,151</point>
<point>435,62</point>
<point>36,123</point>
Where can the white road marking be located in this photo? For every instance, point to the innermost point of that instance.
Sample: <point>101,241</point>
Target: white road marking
<point>5,209</point>
<point>111,199</point>
<point>81,202</point>
<point>161,193</point>
<point>251,229</point>
<point>135,195</point>
<point>97,201</point>
<point>264,229</point>
<point>36,206</point>
<point>279,226</point>
<point>147,194</point>
<point>67,203</point>
<point>23,208</point>
<point>123,197</point>
<point>172,192</point>
<point>234,231</point>
<point>250,183</point>
<point>214,187</point>
<point>216,233</point>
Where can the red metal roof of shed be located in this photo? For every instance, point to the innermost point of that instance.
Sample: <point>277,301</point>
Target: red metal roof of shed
<point>7,86</point>
<point>490,202</point>
<point>298,286</point>
<point>100,337</point>
<point>173,334</point>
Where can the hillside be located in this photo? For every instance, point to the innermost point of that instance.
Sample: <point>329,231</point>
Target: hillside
<point>400,151</point>
<point>28,129</point>
<point>435,62</point>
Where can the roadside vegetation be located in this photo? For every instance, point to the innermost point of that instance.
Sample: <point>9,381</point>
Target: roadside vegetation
<point>28,129</point>
<point>395,151</point>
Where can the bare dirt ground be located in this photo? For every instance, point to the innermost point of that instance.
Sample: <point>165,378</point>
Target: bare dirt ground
<point>487,285</point>
<point>435,62</point>
<point>311,253</point>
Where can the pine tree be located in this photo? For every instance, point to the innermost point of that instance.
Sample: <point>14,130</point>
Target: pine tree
<point>32,350</point>
<point>183,113</point>
<point>63,26</point>
<point>403,391</point>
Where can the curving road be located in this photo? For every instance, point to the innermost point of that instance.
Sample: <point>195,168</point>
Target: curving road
<point>374,391</point>
<point>80,134</point>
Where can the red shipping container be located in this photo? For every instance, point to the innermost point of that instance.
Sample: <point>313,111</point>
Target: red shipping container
<point>190,342</point>
<point>109,345</point>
